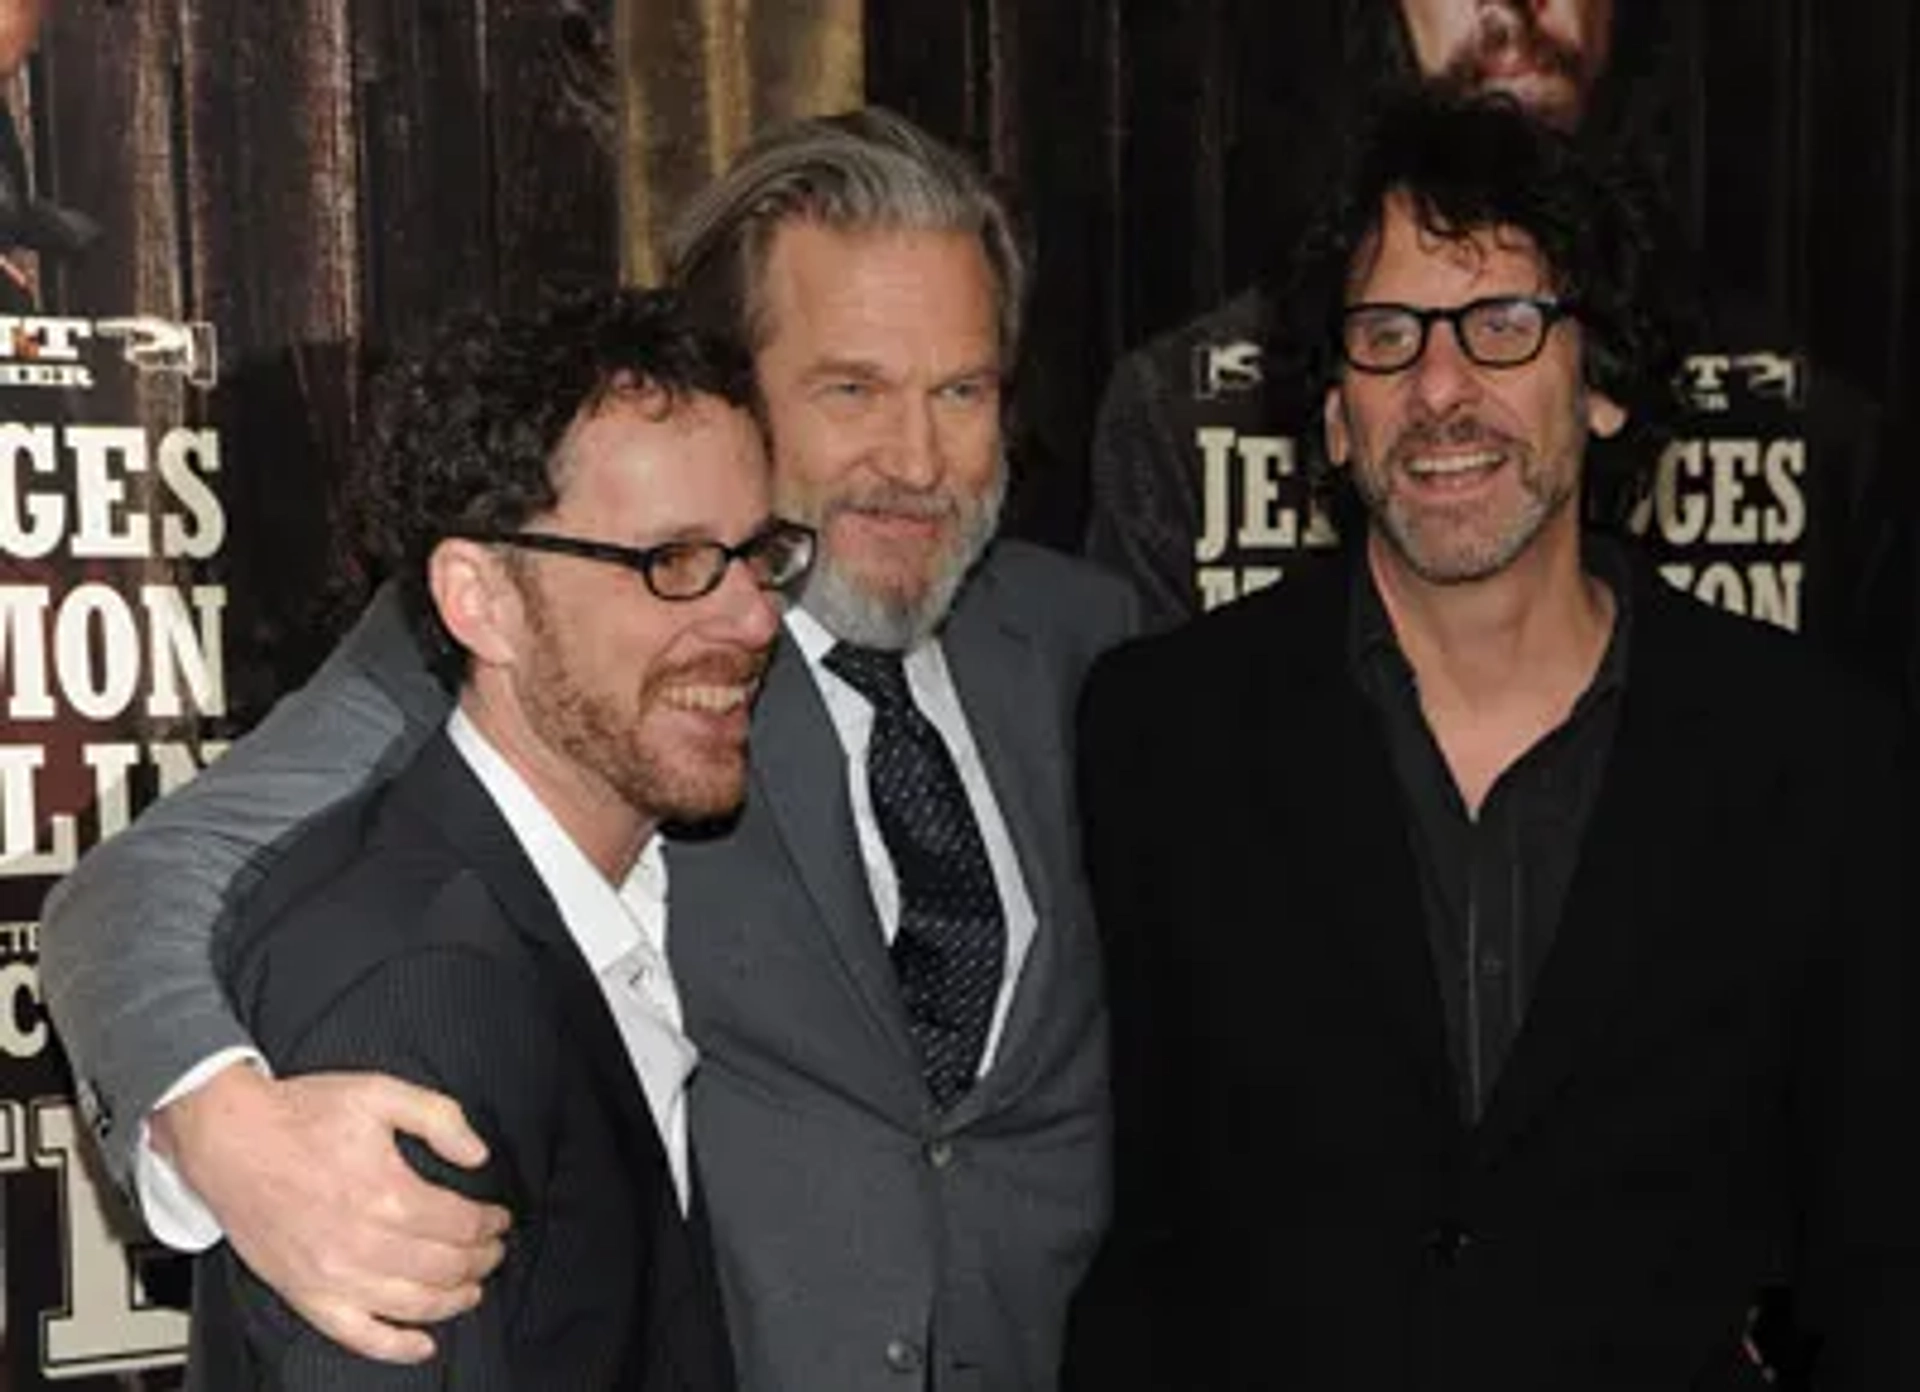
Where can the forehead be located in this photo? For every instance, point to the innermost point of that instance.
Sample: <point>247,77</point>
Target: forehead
<point>883,292</point>
<point>644,463</point>
<point>1405,262</point>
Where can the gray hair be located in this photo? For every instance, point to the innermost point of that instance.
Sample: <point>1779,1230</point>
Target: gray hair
<point>863,170</point>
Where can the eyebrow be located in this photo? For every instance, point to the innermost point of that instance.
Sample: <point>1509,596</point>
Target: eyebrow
<point>845,367</point>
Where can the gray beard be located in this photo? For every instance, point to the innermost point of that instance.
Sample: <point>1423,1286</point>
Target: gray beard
<point>890,623</point>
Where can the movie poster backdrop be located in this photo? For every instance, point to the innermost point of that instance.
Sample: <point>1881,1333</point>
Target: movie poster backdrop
<point>211,214</point>
<point>214,213</point>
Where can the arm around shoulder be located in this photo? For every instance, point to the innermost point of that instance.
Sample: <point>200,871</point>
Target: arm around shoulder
<point>127,935</point>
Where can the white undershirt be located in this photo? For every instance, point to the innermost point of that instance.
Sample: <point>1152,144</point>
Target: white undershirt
<point>933,691</point>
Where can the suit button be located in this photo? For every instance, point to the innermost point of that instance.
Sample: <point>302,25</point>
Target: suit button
<point>903,1355</point>
<point>1446,1243</point>
<point>940,1153</point>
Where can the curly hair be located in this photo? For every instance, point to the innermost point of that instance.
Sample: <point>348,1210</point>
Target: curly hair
<point>465,435</point>
<point>1470,164</point>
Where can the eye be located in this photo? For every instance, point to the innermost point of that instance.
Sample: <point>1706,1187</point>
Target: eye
<point>682,567</point>
<point>970,391</point>
<point>1382,333</point>
<point>1507,319</point>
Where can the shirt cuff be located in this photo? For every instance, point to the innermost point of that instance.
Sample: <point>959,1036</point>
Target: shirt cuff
<point>175,1214</point>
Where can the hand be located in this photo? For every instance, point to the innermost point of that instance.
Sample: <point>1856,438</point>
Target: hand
<point>312,1192</point>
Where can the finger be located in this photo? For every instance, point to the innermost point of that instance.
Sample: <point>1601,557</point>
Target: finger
<point>359,1332</point>
<point>412,1260</point>
<point>432,1116</point>
<point>424,1212</point>
<point>412,1303</point>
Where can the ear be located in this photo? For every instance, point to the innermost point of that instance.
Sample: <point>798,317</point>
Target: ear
<point>1333,421</point>
<point>1605,416</point>
<point>476,599</point>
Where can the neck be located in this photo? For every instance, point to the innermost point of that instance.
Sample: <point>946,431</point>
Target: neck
<point>1532,634</point>
<point>609,830</point>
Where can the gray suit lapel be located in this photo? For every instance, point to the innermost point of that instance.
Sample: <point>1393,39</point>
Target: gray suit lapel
<point>800,777</point>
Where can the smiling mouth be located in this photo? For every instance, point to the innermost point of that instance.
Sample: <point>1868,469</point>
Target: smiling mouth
<point>709,699</point>
<point>1440,466</point>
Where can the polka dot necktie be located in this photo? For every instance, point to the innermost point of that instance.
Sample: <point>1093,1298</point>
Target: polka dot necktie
<point>950,949</point>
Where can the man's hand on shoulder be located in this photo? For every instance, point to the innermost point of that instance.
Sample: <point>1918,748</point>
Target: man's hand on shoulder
<point>311,1190</point>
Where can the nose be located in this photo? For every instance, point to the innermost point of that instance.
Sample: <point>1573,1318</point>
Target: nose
<point>742,611</point>
<point>918,456</point>
<point>1444,376</point>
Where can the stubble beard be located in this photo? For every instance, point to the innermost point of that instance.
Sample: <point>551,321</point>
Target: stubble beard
<point>606,738</point>
<point>1446,544</point>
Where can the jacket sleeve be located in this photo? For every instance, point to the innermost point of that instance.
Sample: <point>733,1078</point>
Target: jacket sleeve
<point>453,1019</point>
<point>127,935</point>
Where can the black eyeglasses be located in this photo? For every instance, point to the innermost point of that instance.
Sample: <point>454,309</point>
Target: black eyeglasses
<point>1500,331</point>
<point>775,556</point>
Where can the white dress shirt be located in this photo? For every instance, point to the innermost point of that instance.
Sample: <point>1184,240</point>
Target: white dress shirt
<point>933,691</point>
<point>622,934</point>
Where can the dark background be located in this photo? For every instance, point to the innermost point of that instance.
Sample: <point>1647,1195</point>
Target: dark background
<point>1157,148</point>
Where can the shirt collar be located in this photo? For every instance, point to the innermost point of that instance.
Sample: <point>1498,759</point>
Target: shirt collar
<point>602,918</point>
<point>1375,658</point>
<point>815,641</point>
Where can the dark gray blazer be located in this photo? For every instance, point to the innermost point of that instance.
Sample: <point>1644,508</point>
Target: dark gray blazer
<point>406,932</point>
<point>861,1240</point>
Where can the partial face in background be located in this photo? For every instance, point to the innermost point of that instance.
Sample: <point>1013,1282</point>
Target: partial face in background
<point>648,696</point>
<point>1463,468</point>
<point>880,372</point>
<point>19,27</point>
<point>1546,53</point>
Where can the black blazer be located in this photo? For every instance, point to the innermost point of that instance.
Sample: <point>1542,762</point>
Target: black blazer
<point>1714,1085</point>
<point>407,933</point>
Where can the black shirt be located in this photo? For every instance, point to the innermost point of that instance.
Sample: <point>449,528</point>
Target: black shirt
<point>1492,886</point>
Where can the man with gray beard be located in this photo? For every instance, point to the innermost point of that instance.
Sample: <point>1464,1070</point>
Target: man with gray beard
<point>889,966</point>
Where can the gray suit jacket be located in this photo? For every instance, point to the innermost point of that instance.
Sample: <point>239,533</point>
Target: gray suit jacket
<point>861,1235</point>
<point>864,1242</point>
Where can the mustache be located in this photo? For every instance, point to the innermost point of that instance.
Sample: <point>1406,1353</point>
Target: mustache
<point>897,500</point>
<point>1505,32</point>
<point>1456,432</point>
<point>730,667</point>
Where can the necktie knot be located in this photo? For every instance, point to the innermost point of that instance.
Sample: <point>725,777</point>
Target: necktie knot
<point>877,674</point>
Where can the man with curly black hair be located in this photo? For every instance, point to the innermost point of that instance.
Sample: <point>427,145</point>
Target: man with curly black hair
<point>1510,958</point>
<point>1778,490</point>
<point>576,508</point>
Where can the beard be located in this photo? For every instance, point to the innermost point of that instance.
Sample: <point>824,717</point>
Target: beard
<point>860,608</point>
<point>1509,32</point>
<point>1477,538</point>
<point>614,735</point>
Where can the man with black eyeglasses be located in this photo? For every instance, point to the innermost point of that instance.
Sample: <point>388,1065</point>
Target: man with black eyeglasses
<point>576,511</point>
<point>1510,959</point>
<point>888,960</point>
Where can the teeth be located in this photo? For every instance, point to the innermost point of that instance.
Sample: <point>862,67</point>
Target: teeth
<point>717,699</point>
<point>1453,463</point>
